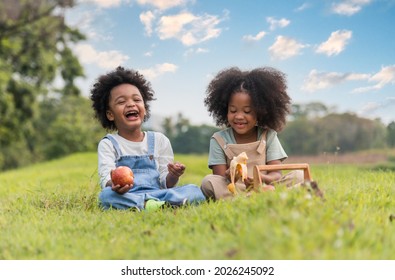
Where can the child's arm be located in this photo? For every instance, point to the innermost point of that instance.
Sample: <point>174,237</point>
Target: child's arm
<point>217,159</point>
<point>169,171</point>
<point>223,170</point>
<point>220,169</point>
<point>106,159</point>
<point>271,176</point>
<point>175,172</point>
<point>106,162</point>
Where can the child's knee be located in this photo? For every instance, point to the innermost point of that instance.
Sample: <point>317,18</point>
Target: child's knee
<point>294,178</point>
<point>105,197</point>
<point>207,187</point>
<point>195,193</point>
<point>299,176</point>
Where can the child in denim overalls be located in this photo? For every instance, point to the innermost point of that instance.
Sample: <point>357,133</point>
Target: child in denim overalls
<point>121,102</point>
<point>253,105</point>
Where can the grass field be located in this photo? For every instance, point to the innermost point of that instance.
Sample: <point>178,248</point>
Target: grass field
<point>49,211</point>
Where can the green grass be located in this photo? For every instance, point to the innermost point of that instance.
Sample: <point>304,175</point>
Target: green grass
<point>49,211</point>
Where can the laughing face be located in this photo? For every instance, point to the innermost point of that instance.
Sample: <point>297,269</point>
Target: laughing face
<point>241,116</point>
<point>126,108</point>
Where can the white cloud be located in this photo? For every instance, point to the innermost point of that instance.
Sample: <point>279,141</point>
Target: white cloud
<point>192,51</point>
<point>322,80</point>
<point>147,18</point>
<point>157,70</point>
<point>162,4</point>
<point>302,7</point>
<point>349,7</point>
<point>277,23</point>
<point>106,60</point>
<point>384,77</point>
<point>285,47</point>
<point>90,23</point>
<point>335,43</point>
<point>371,109</point>
<point>172,26</point>
<point>257,37</point>
<point>104,3</point>
<point>157,4</point>
<point>202,50</point>
<point>188,28</point>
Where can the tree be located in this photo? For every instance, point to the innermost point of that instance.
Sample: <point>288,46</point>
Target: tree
<point>299,137</point>
<point>35,49</point>
<point>391,134</point>
<point>187,138</point>
<point>309,111</point>
<point>331,132</point>
<point>68,127</point>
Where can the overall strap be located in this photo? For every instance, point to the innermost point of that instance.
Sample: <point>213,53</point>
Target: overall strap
<point>115,144</point>
<point>262,145</point>
<point>151,143</point>
<point>223,145</point>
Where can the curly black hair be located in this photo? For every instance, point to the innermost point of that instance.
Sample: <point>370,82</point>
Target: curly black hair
<point>100,92</point>
<point>266,86</point>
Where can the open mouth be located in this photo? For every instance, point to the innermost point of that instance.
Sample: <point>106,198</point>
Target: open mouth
<point>132,115</point>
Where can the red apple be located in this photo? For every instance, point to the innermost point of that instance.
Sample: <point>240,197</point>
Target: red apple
<point>122,175</point>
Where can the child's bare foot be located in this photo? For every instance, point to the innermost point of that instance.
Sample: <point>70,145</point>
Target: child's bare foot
<point>268,188</point>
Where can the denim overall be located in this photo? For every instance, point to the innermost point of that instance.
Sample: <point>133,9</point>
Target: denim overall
<point>146,182</point>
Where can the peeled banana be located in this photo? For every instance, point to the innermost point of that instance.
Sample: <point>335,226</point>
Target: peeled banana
<point>237,170</point>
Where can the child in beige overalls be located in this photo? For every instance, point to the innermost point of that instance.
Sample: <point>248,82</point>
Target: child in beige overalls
<point>215,186</point>
<point>253,106</point>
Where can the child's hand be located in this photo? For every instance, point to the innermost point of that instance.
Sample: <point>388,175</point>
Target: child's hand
<point>271,177</point>
<point>176,169</point>
<point>248,181</point>
<point>121,190</point>
<point>227,175</point>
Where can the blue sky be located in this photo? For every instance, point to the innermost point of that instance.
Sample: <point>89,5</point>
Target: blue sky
<point>338,52</point>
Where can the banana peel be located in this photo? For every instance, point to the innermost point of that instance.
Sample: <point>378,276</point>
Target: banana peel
<point>237,170</point>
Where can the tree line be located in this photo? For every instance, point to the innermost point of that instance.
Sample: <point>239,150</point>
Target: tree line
<point>306,134</point>
<point>44,116</point>
<point>315,129</point>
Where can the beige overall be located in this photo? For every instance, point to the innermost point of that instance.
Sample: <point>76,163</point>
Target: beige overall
<point>215,186</point>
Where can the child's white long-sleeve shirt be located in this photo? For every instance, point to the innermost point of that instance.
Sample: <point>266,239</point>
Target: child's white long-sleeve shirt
<point>107,156</point>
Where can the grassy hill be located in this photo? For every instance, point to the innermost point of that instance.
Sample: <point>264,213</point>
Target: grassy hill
<point>49,211</point>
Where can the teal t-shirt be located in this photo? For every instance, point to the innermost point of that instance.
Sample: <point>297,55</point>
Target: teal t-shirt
<point>274,150</point>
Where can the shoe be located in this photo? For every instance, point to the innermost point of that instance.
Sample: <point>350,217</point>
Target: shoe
<point>176,204</point>
<point>152,205</point>
<point>135,209</point>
